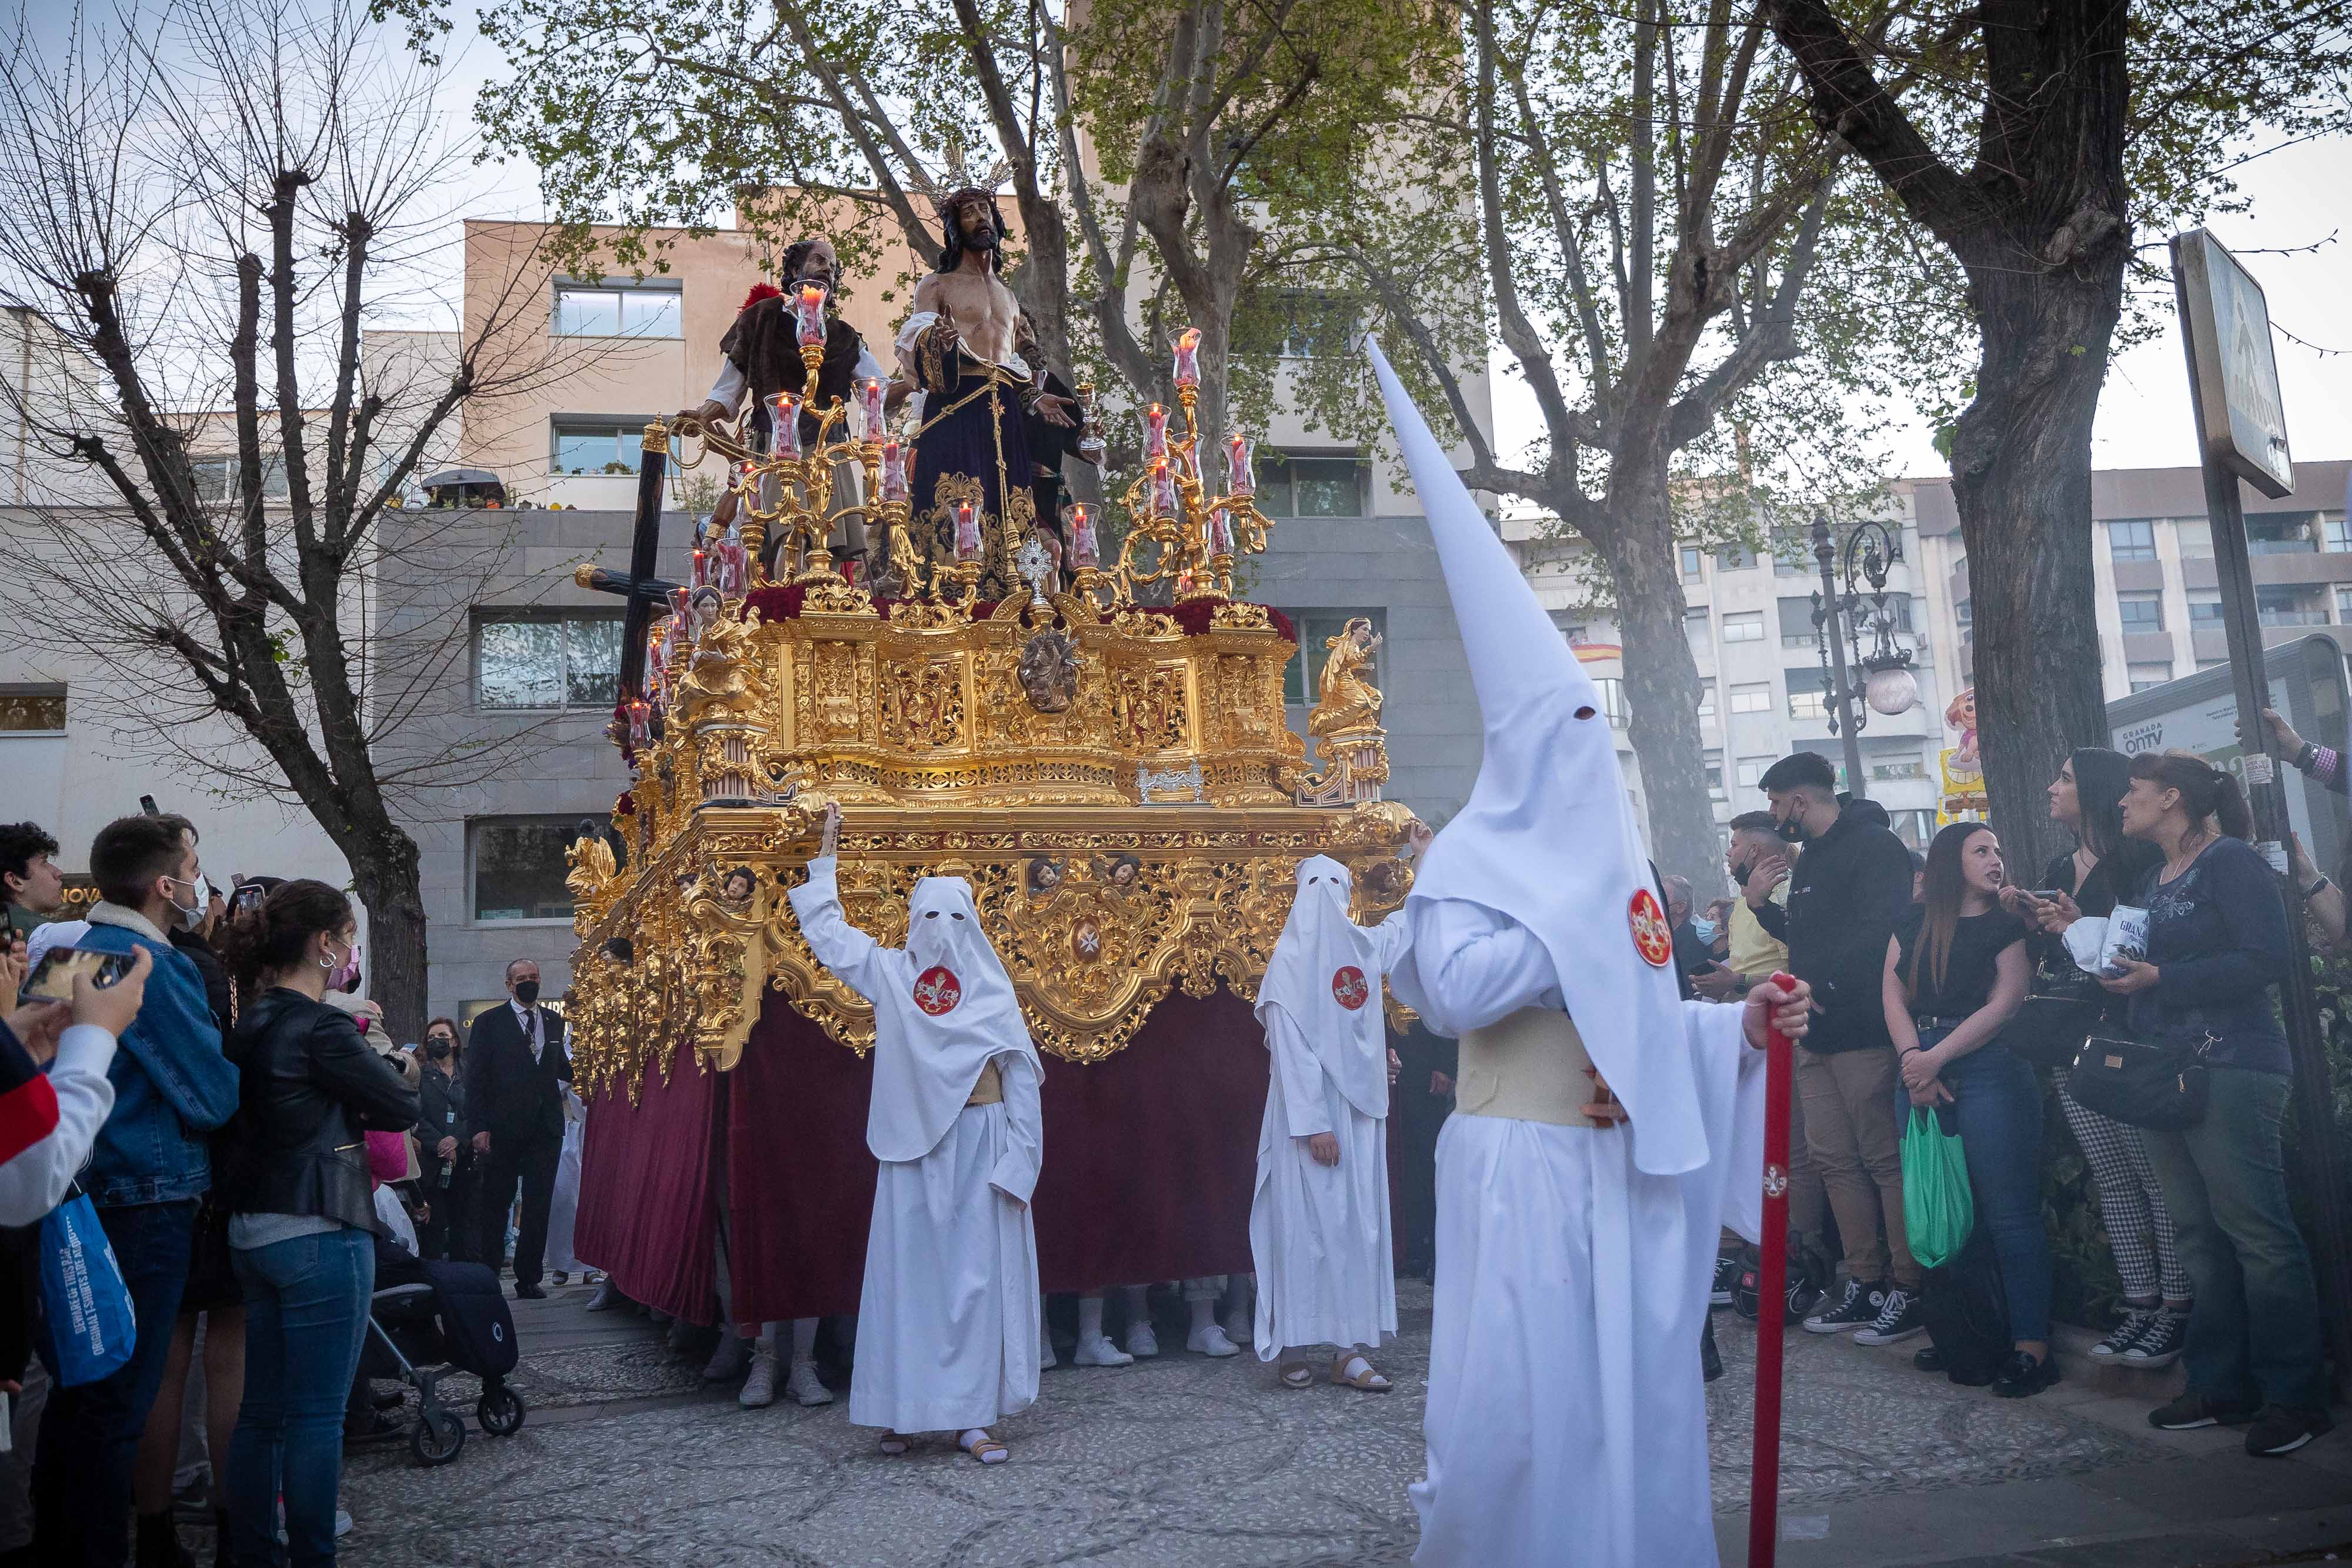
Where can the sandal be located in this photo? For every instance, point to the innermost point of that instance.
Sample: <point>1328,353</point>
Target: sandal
<point>987,1450</point>
<point>895,1443</point>
<point>1368,1381</point>
<point>1294,1373</point>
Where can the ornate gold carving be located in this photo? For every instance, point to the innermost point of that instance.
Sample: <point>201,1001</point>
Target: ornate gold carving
<point>1346,701</point>
<point>1049,671</point>
<point>925,702</point>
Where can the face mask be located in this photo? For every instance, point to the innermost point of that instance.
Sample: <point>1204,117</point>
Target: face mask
<point>192,915</point>
<point>1741,872</point>
<point>346,976</point>
<point>1794,830</point>
<point>527,992</point>
<point>438,1049</point>
<point>1705,929</point>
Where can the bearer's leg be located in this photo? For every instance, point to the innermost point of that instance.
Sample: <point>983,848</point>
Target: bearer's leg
<point>1094,1348</point>
<point>1206,1338</point>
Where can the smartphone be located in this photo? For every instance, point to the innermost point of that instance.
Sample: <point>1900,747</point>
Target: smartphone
<point>247,898</point>
<point>53,978</point>
<point>2047,894</point>
<point>147,806</point>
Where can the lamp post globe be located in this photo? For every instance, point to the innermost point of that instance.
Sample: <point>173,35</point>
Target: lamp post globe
<point>1892,691</point>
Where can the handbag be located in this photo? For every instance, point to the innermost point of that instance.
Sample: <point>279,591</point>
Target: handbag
<point>1939,1211</point>
<point>88,1325</point>
<point>2155,1084</point>
<point>2064,1006</point>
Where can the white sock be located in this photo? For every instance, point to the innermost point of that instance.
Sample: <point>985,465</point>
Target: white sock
<point>1204,1312</point>
<point>1089,1318</point>
<point>972,1437</point>
<point>804,1339</point>
<point>767,1337</point>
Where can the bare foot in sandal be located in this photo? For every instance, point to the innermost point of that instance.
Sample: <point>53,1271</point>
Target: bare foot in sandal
<point>894,1443</point>
<point>983,1448</point>
<point>1294,1373</point>
<point>1352,1371</point>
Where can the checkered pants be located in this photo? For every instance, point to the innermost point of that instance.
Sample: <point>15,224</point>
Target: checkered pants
<point>2139,1228</point>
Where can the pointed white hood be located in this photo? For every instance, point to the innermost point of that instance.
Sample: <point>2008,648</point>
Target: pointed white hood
<point>1325,975</point>
<point>1548,837</point>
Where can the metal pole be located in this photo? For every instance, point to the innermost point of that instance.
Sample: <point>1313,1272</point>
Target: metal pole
<point>1834,629</point>
<point>1772,1298</point>
<point>2315,1172</point>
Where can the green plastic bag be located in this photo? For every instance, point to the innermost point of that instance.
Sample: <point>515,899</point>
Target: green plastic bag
<point>1937,1211</point>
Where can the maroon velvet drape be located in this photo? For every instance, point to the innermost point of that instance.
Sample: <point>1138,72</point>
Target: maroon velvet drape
<point>1150,1160</point>
<point>647,1204</point>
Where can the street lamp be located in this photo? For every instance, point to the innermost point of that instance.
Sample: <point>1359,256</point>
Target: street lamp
<point>1886,684</point>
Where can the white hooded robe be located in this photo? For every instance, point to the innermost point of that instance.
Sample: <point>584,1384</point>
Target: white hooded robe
<point>1319,1233</point>
<point>1567,1419</point>
<point>948,1317</point>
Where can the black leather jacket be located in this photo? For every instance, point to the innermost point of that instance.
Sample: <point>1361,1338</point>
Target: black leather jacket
<point>310,1085</point>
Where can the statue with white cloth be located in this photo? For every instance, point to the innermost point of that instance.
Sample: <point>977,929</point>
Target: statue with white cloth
<point>947,1323</point>
<point>1605,1129</point>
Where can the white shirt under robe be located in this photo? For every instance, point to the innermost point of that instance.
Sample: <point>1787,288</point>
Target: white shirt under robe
<point>1567,1419</point>
<point>1319,1233</point>
<point>948,1318</point>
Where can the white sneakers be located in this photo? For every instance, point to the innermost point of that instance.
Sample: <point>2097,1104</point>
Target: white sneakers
<point>1239,1330</point>
<point>1097,1351</point>
<point>1141,1343</point>
<point>1211,1339</point>
<point>806,1386</point>
<point>760,1388</point>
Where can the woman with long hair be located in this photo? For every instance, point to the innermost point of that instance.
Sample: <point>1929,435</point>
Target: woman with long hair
<point>1956,969</point>
<point>2103,869</point>
<point>2217,942</point>
<point>302,1223</point>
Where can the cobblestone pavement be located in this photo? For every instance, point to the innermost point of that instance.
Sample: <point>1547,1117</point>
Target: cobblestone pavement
<point>1181,1460</point>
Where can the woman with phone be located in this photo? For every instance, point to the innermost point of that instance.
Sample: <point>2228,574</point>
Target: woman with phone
<point>2103,869</point>
<point>302,1218</point>
<point>1955,970</point>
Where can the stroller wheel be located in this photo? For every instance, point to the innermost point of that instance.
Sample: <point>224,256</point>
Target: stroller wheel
<point>438,1436</point>
<point>500,1411</point>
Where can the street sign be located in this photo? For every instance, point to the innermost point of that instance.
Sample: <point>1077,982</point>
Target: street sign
<point>2227,325</point>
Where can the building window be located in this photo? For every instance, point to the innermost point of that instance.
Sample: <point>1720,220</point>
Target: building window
<point>2288,604</point>
<point>32,710</point>
<point>1292,485</point>
<point>1894,768</point>
<point>1311,324</point>
<point>618,310</point>
<point>1744,627</point>
<point>2337,531</point>
<point>2205,610</point>
<point>1613,700</point>
<point>1714,775</point>
<point>1751,771</point>
<point>1796,628</point>
<point>1706,699</point>
<point>2152,674</point>
<point>1735,558</point>
<point>1807,694</point>
<point>1692,558</point>
<point>2196,537</point>
<point>517,866</point>
<point>2132,538</point>
<point>216,478</point>
<point>597,446</point>
<point>1964,612</point>
<point>547,659</point>
<point>2281,533</point>
<point>1793,559</point>
<point>1302,678</point>
<point>1757,698</point>
<point>1914,828</point>
<point>2140,613</point>
<point>1695,621</point>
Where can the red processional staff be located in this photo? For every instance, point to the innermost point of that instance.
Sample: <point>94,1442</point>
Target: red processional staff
<point>1771,1294</point>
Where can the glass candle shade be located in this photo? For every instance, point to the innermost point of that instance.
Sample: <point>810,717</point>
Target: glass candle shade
<point>894,471</point>
<point>1241,480</point>
<point>1163,489</point>
<point>1188,357</point>
<point>810,314</point>
<point>870,403</point>
<point>1155,433</point>
<point>1084,552</point>
<point>967,532</point>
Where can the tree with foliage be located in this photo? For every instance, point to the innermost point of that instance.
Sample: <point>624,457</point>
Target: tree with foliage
<point>207,211</point>
<point>1683,282</point>
<point>2048,146</point>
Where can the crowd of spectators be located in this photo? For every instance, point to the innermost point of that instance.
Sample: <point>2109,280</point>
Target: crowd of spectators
<point>1946,989</point>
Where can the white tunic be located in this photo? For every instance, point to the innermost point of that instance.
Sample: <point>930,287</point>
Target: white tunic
<point>948,1324</point>
<point>1567,1420</point>
<point>564,1207</point>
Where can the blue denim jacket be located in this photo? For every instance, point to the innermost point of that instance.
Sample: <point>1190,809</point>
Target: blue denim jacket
<point>172,1084</point>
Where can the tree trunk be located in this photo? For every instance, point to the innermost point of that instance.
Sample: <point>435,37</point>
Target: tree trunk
<point>2022,480</point>
<point>1661,678</point>
<point>384,874</point>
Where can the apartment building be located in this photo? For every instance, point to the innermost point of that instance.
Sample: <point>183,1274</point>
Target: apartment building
<point>2159,604</point>
<point>1349,540</point>
<point>1763,693</point>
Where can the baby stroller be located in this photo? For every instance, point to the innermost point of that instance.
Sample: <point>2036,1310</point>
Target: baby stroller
<point>428,1319</point>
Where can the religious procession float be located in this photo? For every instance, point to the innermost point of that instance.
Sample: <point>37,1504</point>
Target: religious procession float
<point>1101,750</point>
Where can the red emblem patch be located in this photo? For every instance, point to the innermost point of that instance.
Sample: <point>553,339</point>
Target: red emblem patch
<point>1652,938</point>
<point>937,990</point>
<point>1348,989</point>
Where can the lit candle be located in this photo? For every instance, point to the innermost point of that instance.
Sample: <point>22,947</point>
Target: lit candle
<point>641,724</point>
<point>1188,357</point>
<point>1082,552</point>
<point>1155,433</point>
<point>894,471</point>
<point>701,577</point>
<point>870,400</point>
<point>1221,532</point>
<point>811,314</point>
<point>1163,490</point>
<point>967,532</point>
<point>1188,465</point>
<point>678,606</point>
<point>1241,480</point>
<point>785,424</point>
<point>734,561</point>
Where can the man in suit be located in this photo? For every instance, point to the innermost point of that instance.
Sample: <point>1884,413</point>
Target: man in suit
<point>515,1067</point>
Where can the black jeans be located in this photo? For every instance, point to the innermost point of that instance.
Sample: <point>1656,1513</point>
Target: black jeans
<point>81,1475</point>
<point>450,1233</point>
<point>531,1167</point>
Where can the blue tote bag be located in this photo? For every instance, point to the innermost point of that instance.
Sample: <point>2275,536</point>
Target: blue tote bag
<point>88,1328</point>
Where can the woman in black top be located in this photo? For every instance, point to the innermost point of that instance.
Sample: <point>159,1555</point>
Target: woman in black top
<point>1956,969</point>
<point>2106,869</point>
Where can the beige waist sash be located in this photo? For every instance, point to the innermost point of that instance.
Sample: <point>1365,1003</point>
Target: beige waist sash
<point>1528,1068</point>
<point>989,1087</point>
